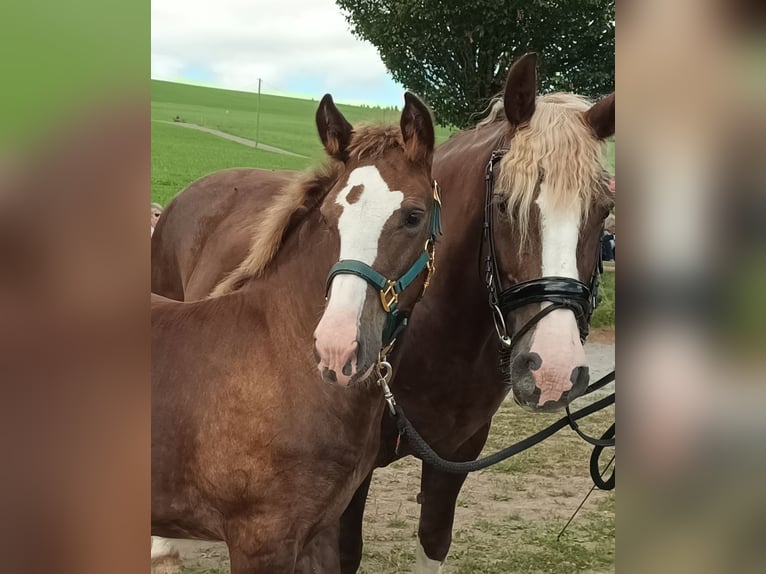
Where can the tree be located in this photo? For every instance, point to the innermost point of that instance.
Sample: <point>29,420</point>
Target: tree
<point>456,53</point>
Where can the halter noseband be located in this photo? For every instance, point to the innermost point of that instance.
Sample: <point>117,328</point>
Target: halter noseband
<point>560,292</point>
<point>388,289</point>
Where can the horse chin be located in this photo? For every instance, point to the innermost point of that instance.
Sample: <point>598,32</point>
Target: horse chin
<point>362,375</point>
<point>531,405</point>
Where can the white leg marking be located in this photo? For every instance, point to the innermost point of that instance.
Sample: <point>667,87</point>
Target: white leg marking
<point>162,547</point>
<point>165,559</point>
<point>424,565</point>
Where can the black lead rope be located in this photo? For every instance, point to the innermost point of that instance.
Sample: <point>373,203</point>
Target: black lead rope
<point>422,451</point>
<point>595,467</point>
<point>604,441</point>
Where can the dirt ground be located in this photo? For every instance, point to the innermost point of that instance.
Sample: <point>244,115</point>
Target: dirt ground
<point>508,517</point>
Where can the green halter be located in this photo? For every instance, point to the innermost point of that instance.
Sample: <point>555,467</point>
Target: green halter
<point>390,290</point>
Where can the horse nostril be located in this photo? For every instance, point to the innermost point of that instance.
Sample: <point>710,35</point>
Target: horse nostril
<point>522,376</point>
<point>529,361</point>
<point>347,368</point>
<point>579,377</point>
<point>317,358</point>
<point>330,375</point>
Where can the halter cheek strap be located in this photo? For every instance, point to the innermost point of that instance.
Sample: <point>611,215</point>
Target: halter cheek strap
<point>389,289</point>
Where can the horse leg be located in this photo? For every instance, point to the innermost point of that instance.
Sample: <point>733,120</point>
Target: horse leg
<point>262,548</point>
<point>165,559</point>
<point>320,556</point>
<point>439,491</point>
<point>351,541</point>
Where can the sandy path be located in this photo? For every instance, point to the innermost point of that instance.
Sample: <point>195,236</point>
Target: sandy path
<point>236,139</point>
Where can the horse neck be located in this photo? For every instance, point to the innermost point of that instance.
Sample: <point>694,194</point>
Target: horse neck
<point>291,291</point>
<point>459,292</point>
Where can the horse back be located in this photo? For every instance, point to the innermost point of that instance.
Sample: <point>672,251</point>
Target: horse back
<point>206,230</point>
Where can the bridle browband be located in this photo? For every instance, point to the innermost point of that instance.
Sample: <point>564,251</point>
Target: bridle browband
<point>389,289</point>
<point>560,292</point>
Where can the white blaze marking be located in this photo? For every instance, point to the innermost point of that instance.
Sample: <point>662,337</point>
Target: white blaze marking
<point>424,565</point>
<point>556,338</point>
<point>560,230</point>
<point>360,226</point>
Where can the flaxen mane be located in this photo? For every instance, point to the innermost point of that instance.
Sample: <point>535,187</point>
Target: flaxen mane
<point>304,193</point>
<point>557,147</point>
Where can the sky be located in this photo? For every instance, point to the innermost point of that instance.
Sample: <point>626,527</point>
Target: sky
<point>298,47</point>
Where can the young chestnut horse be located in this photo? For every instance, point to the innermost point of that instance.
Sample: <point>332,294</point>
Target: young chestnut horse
<point>249,444</point>
<point>549,201</point>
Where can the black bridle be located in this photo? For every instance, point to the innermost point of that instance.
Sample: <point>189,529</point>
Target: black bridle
<point>560,292</point>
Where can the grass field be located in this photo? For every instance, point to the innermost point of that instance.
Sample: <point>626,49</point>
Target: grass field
<point>180,155</point>
<point>604,313</point>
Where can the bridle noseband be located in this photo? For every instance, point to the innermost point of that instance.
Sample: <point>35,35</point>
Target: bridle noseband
<point>389,289</point>
<point>560,292</point>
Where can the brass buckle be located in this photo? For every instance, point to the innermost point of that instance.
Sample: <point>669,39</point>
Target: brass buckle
<point>437,194</point>
<point>430,266</point>
<point>389,296</point>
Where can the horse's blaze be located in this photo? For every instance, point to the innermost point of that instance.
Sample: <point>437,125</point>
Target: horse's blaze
<point>367,203</point>
<point>556,338</point>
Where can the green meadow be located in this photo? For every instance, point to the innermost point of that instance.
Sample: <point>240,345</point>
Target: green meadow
<point>181,155</point>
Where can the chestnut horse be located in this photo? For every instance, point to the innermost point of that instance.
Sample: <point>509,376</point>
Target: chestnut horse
<point>250,443</point>
<point>549,199</point>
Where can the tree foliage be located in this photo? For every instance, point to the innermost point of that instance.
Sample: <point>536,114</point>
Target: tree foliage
<point>456,53</point>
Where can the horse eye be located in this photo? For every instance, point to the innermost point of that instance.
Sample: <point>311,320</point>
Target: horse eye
<point>413,218</point>
<point>502,207</point>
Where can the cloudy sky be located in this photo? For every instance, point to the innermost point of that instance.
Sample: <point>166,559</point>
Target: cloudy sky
<point>298,47</point>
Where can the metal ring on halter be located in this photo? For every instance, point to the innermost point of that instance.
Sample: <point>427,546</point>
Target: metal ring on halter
<point>500,328</point>
<point>384,375</point>
<point>430,266</point>
<point>383,368</point>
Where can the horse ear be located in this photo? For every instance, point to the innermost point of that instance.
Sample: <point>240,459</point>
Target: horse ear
<point>334,130</point>
<point>417,129</point>
<point>601,117</point>
<point>521,90</point>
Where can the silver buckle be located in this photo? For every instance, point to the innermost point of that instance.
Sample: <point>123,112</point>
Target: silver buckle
<point>384,371</point>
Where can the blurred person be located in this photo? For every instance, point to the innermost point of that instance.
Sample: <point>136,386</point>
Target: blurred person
<point>156,211</point>
<point>608,246</point>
